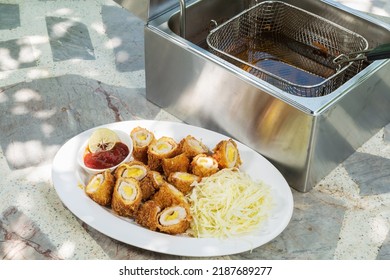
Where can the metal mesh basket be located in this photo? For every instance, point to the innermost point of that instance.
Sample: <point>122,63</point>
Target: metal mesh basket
<point>288,47</point>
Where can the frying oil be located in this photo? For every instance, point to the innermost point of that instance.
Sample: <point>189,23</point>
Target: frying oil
<point>288,59</point>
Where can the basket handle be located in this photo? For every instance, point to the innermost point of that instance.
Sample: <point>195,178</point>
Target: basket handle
<point>377,53</point>
<point>380,52</point>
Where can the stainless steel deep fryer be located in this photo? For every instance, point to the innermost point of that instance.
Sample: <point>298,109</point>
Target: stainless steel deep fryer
<point>288,47</point>
<point>304,137</point>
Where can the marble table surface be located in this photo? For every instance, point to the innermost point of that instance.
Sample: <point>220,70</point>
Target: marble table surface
<point>67,66</point>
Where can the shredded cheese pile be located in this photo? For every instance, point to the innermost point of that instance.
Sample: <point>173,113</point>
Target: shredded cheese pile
<point>228,204</point>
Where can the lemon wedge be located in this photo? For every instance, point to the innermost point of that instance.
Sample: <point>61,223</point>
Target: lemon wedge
<point>102,139</point>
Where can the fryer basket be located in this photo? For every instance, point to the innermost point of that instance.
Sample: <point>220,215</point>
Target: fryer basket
<point>288,47</point>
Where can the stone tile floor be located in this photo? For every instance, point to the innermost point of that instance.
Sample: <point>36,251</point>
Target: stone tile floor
<point>66,66</point>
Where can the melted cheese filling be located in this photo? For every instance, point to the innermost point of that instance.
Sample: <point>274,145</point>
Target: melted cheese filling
<point>142,138</point>
<point>162,147</point>
<point>95,183</point>
<point>127,191</point>
<point>172,215</point>
<point>135,171</point>
<point>207,162</point>
<point>231,154</point>
<point>185,176</point>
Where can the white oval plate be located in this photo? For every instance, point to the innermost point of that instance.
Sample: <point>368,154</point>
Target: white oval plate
<point>67,177</point>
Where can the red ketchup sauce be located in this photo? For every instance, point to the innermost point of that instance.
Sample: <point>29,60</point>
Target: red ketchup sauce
<point>106,159</point>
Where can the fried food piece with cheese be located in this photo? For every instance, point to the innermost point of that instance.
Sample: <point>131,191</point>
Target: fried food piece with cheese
<point>164,147</point>
<point>132,169</point>
<point>227,155</point>
<point>203,165</point>
<point>174,219</point>
<point>191,146</point>
<point>168,195</point>
<point>100,188</point>
<point>141,138</point>
<point>178,163</point>
<point>147,215</point>
<point>183,181</point>
<point>126,197</point>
